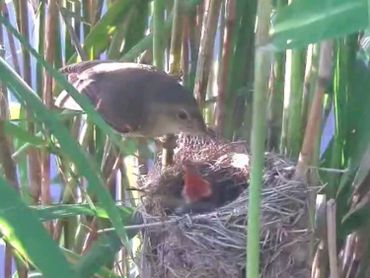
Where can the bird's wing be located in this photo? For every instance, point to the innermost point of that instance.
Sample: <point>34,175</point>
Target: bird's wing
<point>78,71</point>
<point>72,72</point>
<point>114,89</point>
<point>65,101</point>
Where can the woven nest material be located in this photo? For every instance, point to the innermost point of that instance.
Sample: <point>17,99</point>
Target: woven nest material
<point>211,243</point>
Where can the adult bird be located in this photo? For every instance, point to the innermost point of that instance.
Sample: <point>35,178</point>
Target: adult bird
<point>135,99</point>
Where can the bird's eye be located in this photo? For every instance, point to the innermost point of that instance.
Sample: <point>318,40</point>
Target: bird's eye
<point>182,115</point>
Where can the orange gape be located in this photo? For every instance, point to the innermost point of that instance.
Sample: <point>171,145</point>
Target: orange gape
<point>195,187</point>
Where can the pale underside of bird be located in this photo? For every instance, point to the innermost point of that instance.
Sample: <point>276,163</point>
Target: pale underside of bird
<point>135,99</point>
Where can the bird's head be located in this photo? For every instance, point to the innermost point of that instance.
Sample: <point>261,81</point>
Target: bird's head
<point>174,112</point>
<point>196,188</point>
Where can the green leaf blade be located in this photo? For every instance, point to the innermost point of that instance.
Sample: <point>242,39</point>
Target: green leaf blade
<point>305,22</point>
<point>24,232</point>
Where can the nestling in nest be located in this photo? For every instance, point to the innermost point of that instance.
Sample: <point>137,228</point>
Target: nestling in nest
<point>201,202</point>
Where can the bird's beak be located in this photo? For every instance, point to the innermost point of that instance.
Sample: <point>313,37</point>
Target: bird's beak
<point>200,127</point>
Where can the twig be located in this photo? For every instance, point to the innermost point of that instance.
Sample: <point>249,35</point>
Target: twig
<point>72,33</point>
<point>332,238</point>
<point>165,223</point>
<point>331,170</point>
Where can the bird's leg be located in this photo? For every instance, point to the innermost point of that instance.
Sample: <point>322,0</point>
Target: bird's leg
<point>168,143</point>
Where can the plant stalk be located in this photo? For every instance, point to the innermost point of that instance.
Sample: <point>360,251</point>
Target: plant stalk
<point>205,55</point>
<point>159,39</point>
<point>262,67</point>
<point>225,65</point>
<point>315,117</point>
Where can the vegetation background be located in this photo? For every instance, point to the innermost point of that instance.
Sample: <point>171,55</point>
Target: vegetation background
<point>286,77</point>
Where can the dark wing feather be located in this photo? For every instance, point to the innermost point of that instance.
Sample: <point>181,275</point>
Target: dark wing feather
<point>115,99</point>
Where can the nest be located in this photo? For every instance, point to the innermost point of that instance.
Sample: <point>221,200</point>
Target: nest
<point>208,239</point>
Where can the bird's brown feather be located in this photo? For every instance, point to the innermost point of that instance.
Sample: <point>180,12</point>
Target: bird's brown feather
<point>125,93</point>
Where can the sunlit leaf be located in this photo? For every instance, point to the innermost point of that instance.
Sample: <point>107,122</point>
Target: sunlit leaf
<point>20,227</point>
<point>22,135</point>
<point>103,251</point>
<point>45,213</point>
<point>103,272</point>
<point>304,22</point>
